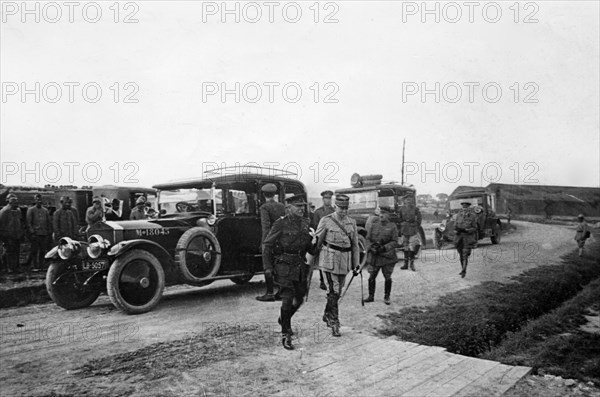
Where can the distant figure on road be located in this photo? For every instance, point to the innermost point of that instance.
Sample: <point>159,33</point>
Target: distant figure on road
<point>582,233</point>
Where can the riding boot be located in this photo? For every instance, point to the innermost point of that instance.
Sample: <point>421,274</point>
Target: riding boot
<point>406,256</point>
<point>327,315</point>
<point>268,296</point>
<point>411,260</point>
<point>464,264</point>
<point>371,297</point>
<point>387,291</point>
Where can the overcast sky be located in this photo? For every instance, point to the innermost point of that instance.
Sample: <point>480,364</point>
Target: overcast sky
<point>361,78</point>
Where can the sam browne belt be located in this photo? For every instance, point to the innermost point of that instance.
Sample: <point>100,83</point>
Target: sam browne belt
<point>337,248</point>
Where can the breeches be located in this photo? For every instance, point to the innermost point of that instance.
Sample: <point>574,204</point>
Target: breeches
<point>409,243</point>
<point>387,271</point>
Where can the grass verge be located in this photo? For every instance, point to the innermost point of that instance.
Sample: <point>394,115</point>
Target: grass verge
<point>473,321</point>
<point>555,342</point>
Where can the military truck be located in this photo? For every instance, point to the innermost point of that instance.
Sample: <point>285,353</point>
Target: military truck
<point>483,204</point>
<point>369,192</point>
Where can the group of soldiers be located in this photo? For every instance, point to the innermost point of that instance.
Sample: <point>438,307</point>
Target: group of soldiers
<point>43,229</point>
<point>288,236</point>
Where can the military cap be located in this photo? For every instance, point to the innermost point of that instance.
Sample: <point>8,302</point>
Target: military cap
<point>580,216</point>
<point>37,196</point>
<point>342,201</point>
<point>297,199</point>
<point>327,194</point>
<point>140,200</point>
<point>11,197</point>
<point>96,199</point>
<point>269,188</point>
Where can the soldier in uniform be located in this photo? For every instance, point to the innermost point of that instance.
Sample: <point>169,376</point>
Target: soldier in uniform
<point>582,233</point>
<point>139,211</point>
<point>94,214</point>
<point>320,212</point>
<point>270,211</point>
<point>383,239</point>
<point>464,239</point>
<point>11,231</point>
<point>338,238</point>
<point>410,221</point>
<point>292,236</point>
<point>39,227</point>
<point>64,221</point>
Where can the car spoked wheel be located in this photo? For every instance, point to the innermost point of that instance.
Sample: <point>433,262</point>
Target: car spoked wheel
<point>198,255</point>
<point>136,281</point>
<point>66,287</point>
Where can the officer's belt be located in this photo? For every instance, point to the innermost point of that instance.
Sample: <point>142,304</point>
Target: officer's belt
<point>292,252</point>
<point>336,247</point>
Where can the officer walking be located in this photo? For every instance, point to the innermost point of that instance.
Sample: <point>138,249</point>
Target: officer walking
<point>291,234</point>
<point>39,227</point>
<point>338,238</point>
<point>270,211</point>
<point>464,239</point>
<point>320,212</point>
<point>11,231</point>
<point>410,221</point>
<point>383,238</point>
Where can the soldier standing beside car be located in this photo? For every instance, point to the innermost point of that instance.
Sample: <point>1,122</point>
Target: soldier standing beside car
<point>64,221</point>
<point>383,237</point>
<point>338,238</point>
<point>270,211</point>
<point>320,212</point>
<point>410,221</point>
<point>94,214</point>
<point>11,231</point>
<point>464,239</point>
<point>39,227</point>
<point>139,211</point>
<point>292,236</point>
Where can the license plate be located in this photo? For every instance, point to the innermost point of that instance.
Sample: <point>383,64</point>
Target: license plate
<point>100,264</point>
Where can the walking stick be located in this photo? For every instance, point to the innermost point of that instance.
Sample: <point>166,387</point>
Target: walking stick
<point>362,290</point>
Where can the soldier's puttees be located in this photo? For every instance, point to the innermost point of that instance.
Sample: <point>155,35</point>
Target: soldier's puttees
<point>464,239</point>
<point>270,211</point>
<point>338,239</point>
<point>290,236</point>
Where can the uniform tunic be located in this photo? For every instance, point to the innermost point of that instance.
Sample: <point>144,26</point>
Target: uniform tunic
<point>465,227</point>
<point>320,213</point>
<point>386,235</point>
<point>64,224</point>
<point>93,215</point>
<point>580,232</point>
<point>269,213</point>
<point>333,260</point>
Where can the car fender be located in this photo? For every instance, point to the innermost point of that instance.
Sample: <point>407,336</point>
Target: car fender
<point>125,246</point>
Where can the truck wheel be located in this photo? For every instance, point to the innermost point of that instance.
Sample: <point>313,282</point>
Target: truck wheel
<point>496,234</point>
<point>438,240</point>
<point>136,281</point>
<point>241,280</point>
<point>68,292</point>
<point>198,255</point>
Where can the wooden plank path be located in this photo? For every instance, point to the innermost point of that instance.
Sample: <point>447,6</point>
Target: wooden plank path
<point>361,364</point>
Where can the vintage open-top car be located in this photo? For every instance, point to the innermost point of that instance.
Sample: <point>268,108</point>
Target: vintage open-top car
<point>369,192</point>
<point>482,203</point>
<point>208,229</point>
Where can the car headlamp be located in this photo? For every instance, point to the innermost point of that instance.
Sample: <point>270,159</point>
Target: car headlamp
<point>68,247</point>
<point>96,245</point>
<point>211,219</point>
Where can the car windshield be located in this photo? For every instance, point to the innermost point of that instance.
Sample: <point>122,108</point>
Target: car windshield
<point>189,200</point>
<point>370,200</point>
<point>455,203</point>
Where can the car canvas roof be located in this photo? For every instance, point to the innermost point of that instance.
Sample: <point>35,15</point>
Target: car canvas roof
<point>238,179</point>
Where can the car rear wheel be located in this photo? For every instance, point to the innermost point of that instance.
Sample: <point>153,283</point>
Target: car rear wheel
<point>241,280</point>
<point>136,281</point>
<point>198,255</point>
<point>66,287</point>
<point>496,234</point>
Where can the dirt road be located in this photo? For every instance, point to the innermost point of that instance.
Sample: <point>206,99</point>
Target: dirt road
<point>44,349</point>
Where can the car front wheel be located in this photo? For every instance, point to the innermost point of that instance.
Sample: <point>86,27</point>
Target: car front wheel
<point>136,281</point>
<point>198,255</point>
<point>66,287</point>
